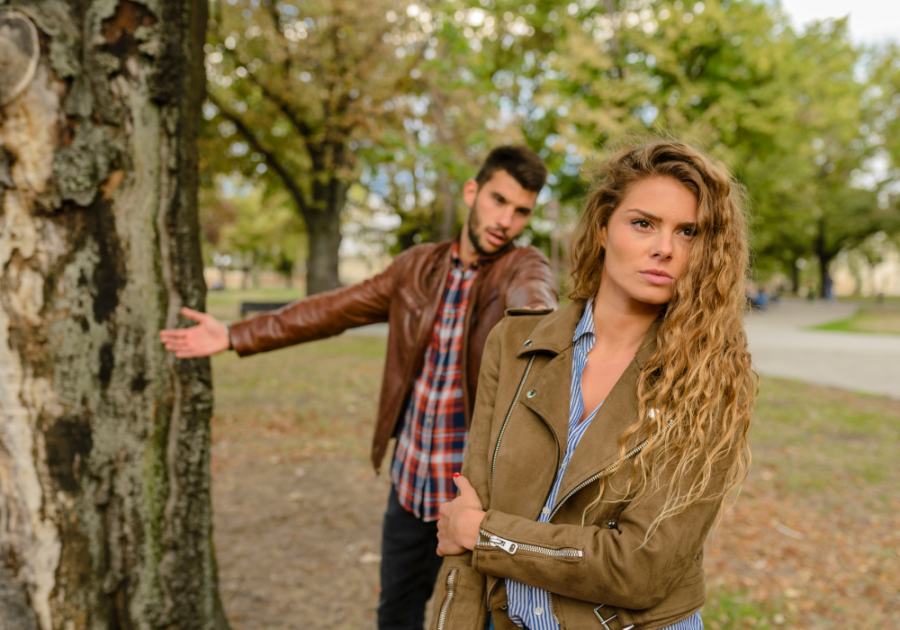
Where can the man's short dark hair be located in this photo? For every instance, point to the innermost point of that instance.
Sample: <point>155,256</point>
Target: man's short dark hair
<point>523,164</point>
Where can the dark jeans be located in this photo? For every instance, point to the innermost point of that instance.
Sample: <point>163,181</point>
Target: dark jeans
<point>409,567</point>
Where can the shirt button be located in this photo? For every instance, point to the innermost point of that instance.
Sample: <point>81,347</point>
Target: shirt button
<point>546,511</point>
<point>538,611</point>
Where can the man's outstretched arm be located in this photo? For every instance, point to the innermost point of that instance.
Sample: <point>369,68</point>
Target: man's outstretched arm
<point>317,317</point>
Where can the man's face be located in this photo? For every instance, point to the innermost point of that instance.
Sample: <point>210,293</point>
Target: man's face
<point>498,211</point>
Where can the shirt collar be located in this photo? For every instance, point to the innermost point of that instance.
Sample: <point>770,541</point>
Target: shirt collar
<point>454,256</point>
<point>586,325</point>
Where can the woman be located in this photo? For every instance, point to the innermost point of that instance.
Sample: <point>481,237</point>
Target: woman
<point>606,435</point>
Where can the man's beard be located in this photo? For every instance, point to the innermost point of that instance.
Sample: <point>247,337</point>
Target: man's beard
<point>474,224</point>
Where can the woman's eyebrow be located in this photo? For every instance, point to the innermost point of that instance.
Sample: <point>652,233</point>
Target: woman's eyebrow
<point>645,214</point>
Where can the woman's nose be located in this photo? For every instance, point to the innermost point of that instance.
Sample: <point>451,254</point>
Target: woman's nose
<point>662,249</point>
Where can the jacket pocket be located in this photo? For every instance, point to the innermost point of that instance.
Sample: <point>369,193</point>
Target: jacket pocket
<point>444,614</point>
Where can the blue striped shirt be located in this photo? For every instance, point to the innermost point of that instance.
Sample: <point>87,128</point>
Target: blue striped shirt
<point>529,606</point>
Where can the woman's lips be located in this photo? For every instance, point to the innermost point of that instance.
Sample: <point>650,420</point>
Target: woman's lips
<point>656,278</point>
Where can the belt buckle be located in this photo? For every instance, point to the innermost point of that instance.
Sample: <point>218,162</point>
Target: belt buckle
<point>605,622</point>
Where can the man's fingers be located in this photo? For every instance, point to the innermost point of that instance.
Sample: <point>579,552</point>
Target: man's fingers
<point>172,335</point>
<point>193,315</point>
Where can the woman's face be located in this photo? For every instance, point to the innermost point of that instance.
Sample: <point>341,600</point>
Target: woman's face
<point>648,241</point>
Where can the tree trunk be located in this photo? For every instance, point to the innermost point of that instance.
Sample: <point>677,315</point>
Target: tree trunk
<point>105,515</point>
<point>795,276</point>
<point>825,258</point>
<point>446,228</point>
<point>323,225</point>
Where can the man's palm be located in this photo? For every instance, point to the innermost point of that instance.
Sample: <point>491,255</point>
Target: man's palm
<point>209,337</point>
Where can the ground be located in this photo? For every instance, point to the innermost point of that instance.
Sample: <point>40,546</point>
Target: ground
<point>812,541</point>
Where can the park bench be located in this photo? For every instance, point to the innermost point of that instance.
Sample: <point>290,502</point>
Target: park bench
<point>260,307</point>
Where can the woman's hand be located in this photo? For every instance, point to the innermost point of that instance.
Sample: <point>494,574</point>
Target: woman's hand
<point>460,521</point>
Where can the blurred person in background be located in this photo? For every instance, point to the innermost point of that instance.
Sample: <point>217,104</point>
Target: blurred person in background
<point>607,435</point>
<point>441,301</point>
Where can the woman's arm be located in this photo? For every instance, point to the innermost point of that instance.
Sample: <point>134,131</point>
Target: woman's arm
<point>459,591</point>
<point>612,566</point>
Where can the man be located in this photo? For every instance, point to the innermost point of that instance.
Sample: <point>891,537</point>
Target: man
<point>441,301</point>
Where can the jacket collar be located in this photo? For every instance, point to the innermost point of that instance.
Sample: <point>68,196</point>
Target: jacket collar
<point>555,333</point>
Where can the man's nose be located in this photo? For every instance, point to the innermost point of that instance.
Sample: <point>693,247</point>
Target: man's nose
<point>504,219</point>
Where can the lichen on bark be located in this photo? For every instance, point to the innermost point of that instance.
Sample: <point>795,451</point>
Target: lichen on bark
<point>104,439</point>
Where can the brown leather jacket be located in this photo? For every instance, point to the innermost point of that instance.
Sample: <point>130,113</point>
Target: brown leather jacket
<point>593,562</point>
<point>407,295</point>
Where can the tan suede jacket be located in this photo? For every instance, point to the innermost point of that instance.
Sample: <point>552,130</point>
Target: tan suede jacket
<point>598,574</point>
<point>408,296</point>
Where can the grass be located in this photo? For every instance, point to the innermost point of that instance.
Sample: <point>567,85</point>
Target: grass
<point>811,543</point>
<point>868,320</point>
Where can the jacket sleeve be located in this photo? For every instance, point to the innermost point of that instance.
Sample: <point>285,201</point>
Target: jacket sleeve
<point>320,316</point>
<point>466,608</point>
<point>615,568</point>
<point>533,285</point>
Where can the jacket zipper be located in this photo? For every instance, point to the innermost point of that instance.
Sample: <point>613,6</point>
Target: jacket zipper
<point>637,449</point>
<point>490,540</point>
<point>445,607</point>
<point>508,415</point>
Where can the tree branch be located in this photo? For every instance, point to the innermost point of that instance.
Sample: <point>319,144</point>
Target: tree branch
<point>271,158</point>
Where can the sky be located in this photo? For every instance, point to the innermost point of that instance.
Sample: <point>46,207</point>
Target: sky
<point>871,21</point>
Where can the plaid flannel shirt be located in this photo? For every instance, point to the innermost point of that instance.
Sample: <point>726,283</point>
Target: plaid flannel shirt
<point>431,445</point>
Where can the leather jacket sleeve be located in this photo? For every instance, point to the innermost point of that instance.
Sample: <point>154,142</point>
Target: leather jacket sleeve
<point>457,575</point>
<point>533,285</point>
<point>320,316</point>
<point>615,568</point>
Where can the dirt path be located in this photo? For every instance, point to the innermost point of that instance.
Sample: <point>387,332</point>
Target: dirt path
<point>298,543</point>
<point>812,543</point>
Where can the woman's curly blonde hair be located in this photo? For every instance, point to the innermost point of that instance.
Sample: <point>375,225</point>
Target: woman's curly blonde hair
<point>697,393</point>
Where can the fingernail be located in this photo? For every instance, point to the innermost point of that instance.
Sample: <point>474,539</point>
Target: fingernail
<point>455,475</point>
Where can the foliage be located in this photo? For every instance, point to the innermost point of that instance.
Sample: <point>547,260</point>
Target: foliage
<point>808,120</point>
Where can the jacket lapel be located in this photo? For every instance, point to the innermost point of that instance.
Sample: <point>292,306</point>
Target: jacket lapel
<point>550,387</point>
<point>599,446</point>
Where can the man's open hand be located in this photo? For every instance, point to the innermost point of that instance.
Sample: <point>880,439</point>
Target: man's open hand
<point>209,337</point>
<point>460,522</point>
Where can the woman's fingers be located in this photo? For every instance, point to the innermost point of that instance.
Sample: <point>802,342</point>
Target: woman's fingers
<point>465,488</point>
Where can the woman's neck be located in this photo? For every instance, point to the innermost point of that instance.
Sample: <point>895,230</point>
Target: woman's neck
<point>621,323</point>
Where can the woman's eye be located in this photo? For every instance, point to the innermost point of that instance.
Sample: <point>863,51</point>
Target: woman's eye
<point>641,223</point>
<point>690,232</point>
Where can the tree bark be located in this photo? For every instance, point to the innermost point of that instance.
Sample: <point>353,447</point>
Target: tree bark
<point>795,276</point>
<point>446,228</point>
<point>323,224</point>
<point>825,257</point>
<point>105,514</point>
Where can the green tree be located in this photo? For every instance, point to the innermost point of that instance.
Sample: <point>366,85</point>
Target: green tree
<point>295,90</point>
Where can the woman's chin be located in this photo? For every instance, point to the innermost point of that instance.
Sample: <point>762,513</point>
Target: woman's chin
<point>655,296</point>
